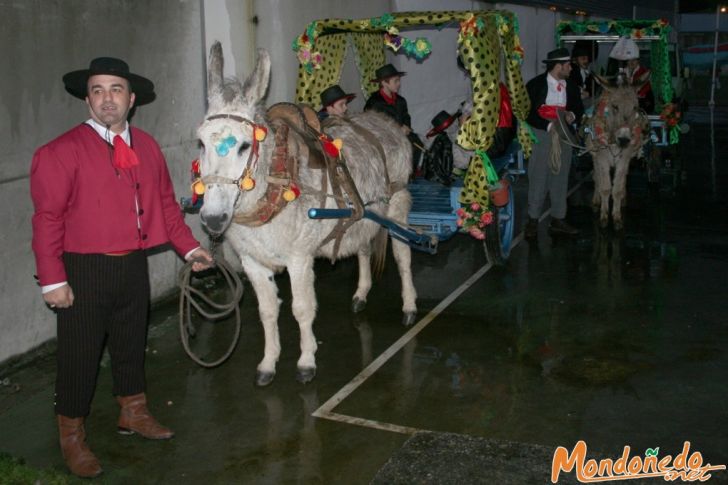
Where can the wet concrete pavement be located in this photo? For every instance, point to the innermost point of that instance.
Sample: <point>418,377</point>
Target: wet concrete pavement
<point>614,339</point>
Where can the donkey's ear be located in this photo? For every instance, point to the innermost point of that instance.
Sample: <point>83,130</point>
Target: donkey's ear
<point>215,82</point>
<point>256,85</point>
<point>603,82</point>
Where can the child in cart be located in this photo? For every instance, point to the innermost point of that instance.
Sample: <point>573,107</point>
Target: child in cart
<point>445,159</point>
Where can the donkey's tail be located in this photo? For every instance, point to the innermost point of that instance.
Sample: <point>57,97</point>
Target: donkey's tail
<point>379,252</point>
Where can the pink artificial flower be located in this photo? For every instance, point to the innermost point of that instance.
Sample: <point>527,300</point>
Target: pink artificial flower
<point>486,217</point>
<point>477,233</point>
<point>475,206</point>
<point>460,212</point>
<point>459,222</point>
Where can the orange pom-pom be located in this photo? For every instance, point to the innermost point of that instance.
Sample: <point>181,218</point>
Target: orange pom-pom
<point>198,187</point>
<point>260,132</point>
<point>289,195</point>
<point>338,143</point>
<point>247,183</point>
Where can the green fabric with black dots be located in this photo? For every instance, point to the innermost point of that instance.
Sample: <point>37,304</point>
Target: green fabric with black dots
<point>491,48</point>
<point>332,48</point>
<point>475,184</point>
<point>369,57</point>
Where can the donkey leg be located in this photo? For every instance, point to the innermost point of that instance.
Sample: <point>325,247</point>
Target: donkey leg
<point>268,307</point>
<point>604,188</point>
<point>304,309</point>
<point>399,207</point>
<point>619,190</point>
<point>596,198</point>
<point>359,302</point>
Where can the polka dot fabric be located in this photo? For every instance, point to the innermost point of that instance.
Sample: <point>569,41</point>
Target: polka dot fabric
<point>493,47</point>
<point>332,48</point>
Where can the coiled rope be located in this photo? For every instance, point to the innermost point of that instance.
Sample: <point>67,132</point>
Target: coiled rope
<point>191,297</point>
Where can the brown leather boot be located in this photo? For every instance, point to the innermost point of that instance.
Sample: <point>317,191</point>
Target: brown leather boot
<point>135,418</point>
<point>79,458</point>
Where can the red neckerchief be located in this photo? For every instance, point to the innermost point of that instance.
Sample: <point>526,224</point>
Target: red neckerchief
<point>386,98</point>
<point>124,156</point>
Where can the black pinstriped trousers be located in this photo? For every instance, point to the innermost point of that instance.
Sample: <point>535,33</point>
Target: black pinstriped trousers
<point>111,307</point>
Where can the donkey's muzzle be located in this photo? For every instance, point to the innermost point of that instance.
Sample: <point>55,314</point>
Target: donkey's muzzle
<point>215,223</point>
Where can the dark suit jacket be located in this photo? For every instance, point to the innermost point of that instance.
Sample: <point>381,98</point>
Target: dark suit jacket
<point>398,111</point>
<point>538,89</point>
<point>576,77</point>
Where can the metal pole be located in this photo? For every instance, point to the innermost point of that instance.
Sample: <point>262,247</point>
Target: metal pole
<point>711,105</point>
<point>715,58</point>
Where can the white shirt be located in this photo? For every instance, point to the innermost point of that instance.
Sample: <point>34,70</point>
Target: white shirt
<point>557,91</point>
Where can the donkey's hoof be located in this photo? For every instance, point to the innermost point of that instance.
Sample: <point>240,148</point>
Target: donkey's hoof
<point>358,305</point>
<point>263,379</point>
<point>618,226</point>
<point>304,375</point>
<point>409,318</point>
<point>603,222</point>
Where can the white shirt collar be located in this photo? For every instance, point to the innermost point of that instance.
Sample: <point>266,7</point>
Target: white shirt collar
<point>107,134</point>
<point>553,82</point>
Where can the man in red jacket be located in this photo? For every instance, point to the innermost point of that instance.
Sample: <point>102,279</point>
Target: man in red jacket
<point>103,195</point>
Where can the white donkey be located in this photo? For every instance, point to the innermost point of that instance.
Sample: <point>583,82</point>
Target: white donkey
<point>618,129</point>
<point>250,178</point>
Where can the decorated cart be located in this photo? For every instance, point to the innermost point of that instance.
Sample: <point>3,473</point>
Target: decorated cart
<point>487,44</point>
<point>652,37</point>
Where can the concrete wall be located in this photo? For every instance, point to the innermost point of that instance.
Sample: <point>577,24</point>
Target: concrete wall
<point>40,41</point>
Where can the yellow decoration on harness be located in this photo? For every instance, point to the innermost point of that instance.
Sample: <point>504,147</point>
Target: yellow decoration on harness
<point>198,187</point>
<point>338,143</point>
<point>289,195</point>
<point>247,183</point>
<point>260,133</point>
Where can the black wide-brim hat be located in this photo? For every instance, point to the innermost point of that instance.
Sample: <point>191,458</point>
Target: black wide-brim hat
<point>385,72</point>
<point>558,55</point>
<point>584,47</point>
<point>441,122</point>
<point>76,81</point>
<point>334,93</point>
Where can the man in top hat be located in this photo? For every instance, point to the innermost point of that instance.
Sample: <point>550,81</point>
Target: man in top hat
<point>103,195</point>
<point>581,74</point>
<point>388,101</point>
<point>334,102</point>
<point>551,92</point>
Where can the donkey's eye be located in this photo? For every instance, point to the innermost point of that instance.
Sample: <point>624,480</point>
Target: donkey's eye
<point>615,107</point>
<point>243,146</point>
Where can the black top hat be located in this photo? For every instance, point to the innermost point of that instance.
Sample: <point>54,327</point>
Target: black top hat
<point>557,55</point>
<point>441,122</point>
<point>76,81</point>
<point>385,72</point>
<point>334,93</point>
<point>583,47</point>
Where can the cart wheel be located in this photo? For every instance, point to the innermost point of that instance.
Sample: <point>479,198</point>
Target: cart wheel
<point>499,234</point>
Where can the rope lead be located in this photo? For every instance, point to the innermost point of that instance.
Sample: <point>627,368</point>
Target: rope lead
<point>190,297</point>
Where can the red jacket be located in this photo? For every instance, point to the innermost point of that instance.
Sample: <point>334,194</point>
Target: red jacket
<point>82,205</point>
<point>647,87</point>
